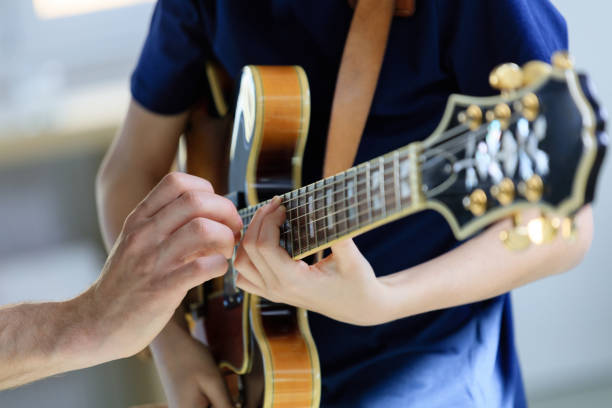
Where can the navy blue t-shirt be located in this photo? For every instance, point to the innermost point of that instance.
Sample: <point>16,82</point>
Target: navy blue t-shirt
<point>458,357</point>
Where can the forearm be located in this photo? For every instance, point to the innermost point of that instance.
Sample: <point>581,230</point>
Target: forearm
<point>141,154</point>
<point>480,269</point>
<point>38,340</point>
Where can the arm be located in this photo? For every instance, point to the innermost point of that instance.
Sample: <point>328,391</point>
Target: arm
<point>139,157</point>
<point>39,340</point>
<point>344,287</point>
<point>178,237</point>
<point>482,268</point>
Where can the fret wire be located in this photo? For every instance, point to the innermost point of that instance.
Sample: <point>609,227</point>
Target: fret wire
<point>348,207</point>
<point>324,218</point>
<point>369,198</point>
<point>381,169</point>
<point>341,190</point>
<point>311,209</point>
<point>291,234</point>
<point>356,204</point>
<point>398,203</point>
<point>297,224</point>
<point>343,200</point>
<point>331,203</point>
<point>427,161</point>
<point>443,141</point>
<point>302,204</point>
<point>334,236</point>
<point>284,200</point>
<point>355,195</point>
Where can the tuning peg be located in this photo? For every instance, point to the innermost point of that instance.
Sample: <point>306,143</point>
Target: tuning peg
<point>517,237</point>
<point>568,229</point>
<point>476,202</point>
<point>531,106</point>
<point>532,189</point>
<point>535,71</point>
<point>539,231</point>
<point>562,60</point>
<point>506,77</point>
<point>504,191</point>
<point>471,117</point>
<point>542,230</point>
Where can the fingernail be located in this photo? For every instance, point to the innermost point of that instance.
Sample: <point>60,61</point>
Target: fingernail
<point>276,200</point>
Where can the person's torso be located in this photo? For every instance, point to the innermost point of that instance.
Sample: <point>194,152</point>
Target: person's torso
<point>427,360</point>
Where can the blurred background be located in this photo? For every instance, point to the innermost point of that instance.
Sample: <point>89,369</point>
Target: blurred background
<point>64,70</point>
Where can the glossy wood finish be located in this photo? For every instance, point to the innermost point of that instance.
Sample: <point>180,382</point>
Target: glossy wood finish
<point>283,110</point>
<point>292,377</point>
<point>290,361</point>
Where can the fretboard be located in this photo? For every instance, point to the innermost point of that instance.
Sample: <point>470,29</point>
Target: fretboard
<point>344,204</point>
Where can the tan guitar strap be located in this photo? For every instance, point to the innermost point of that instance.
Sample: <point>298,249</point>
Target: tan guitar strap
<point>357,78</point>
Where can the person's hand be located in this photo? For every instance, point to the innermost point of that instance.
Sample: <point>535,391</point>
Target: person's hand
<point>187,370</point>
<point>179,236</point>
<point>342,286</point>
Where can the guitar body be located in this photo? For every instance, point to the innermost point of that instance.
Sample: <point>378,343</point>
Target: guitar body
<point>265,349</point>
<point>539,145</point>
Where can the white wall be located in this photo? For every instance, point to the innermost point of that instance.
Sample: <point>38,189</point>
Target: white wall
<point>564,323</point>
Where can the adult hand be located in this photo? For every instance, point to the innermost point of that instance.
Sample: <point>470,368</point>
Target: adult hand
<point>342,286</point>
<point>179,236</point>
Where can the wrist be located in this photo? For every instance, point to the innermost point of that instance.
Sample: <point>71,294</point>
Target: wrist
<point>385,302</point>
<point>396,298</point>
<point>77,339</point>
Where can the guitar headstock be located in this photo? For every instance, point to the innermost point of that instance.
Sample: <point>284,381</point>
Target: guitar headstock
<point>538,144</point>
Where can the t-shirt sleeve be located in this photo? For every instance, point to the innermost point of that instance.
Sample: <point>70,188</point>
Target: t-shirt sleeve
<point>169,76</point>
<point>482,34</point>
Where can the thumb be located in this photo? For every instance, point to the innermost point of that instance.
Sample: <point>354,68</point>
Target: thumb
<point>346,255</point>
<point>198,271</point>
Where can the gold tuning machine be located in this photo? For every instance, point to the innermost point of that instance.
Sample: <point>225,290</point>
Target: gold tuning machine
<point>531,106</point>
<point>476,202</point>
<point>535,71</point>
<point>568,229</point>
<point>532,189</point>
<point>471,117</point>
<point>562,60</point>
<point>506,77</point>
<point>538,231</point>
<point>504,191</point>
<point>517,237</point>
<point>542,230</point>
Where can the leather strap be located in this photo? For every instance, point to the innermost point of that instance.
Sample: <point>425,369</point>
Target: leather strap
<point>403,8</point>
<point>357,78</point>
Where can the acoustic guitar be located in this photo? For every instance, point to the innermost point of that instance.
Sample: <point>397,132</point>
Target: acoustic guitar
<point>540,143</point>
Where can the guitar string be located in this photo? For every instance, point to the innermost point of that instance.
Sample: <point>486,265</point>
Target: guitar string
<point>347,219</point>
<point>307,236</point>
<point>309,213</point>
<point>390,195</point>
<point>351,205</point>
<point>344,174</point>
<point>334,192</point>
<point>356,181</point>
<point>455,143</point>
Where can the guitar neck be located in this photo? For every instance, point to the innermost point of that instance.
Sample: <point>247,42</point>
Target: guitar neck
<point>349,203</point>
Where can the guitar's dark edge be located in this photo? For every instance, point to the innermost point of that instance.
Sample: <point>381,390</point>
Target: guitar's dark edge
<point>600,134</point>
